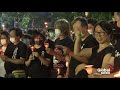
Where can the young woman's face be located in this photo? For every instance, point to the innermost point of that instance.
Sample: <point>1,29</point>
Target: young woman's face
<point>4,40</point>
<point>100,35</point>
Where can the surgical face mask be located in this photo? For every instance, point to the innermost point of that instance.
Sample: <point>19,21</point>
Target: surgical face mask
<point>57,32</point>
<point>51,34</point>
<point>3,41</point>
<point>90,31</point>
<point>12,39</point>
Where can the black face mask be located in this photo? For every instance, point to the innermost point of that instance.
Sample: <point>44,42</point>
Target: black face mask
<point>40,42</point>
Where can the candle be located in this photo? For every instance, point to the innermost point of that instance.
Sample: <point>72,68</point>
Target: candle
<point>117,75</point>
<point>58,71</point>
<point>89,69</point>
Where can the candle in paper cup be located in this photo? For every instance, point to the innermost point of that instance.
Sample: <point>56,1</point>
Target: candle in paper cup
<point>89,69</point>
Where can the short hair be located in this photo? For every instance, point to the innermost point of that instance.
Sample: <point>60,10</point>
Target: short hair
<point>82,20</point>
<point>5,33</point>
<point>92,21</point>
<point>50,30</point>
<point>36,33</point>
<point>18,31</point>
<point>63,25</point>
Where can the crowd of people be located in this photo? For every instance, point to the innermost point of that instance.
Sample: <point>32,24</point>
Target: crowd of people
<point>68,50</point>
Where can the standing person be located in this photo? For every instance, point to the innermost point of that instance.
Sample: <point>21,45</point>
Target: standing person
<point>15,54</point>
<point>87,41</point>
<point>4,39</point>
<point>38,61</point>
<point>62,34</point>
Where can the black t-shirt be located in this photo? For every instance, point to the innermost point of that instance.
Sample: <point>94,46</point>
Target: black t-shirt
<point>89,42</point>
<point>36,69</point>
<point>15,51</point>
<point>96,58</point>
<point>51,44</point>
<point>68,42</point>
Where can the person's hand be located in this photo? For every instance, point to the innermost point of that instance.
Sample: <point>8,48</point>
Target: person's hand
<point>79,68</point>
<point>77,30</point>
<point>31,57</point>
<point>36,54</point>
<point>66,50</point>
<point>49,51</point>
<point>4,58</point>
<point>91,76</point>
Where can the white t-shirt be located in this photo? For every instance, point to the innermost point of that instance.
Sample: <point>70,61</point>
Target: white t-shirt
<point>2,69</point>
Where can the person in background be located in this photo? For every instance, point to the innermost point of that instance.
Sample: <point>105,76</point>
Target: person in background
<point>4,39</point>
<point>91,25</point>
<point>51,34</point>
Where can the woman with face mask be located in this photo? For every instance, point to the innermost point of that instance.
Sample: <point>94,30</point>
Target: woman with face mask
<point>62,37</point>
<point>4,42</point>
<point>38,60</point>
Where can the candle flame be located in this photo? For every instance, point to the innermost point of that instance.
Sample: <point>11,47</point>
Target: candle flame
<point>58,70</point>
<point>46,45</point>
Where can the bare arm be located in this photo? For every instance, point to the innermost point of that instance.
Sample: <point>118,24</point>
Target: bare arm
<point>84,55</point>
<point>27,63</point>
<point>106,60</point>
<point>16,61</point>
<point>77,45</point>
<point>45,61</point>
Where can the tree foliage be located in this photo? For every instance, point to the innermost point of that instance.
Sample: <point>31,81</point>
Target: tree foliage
<point>25,19</point>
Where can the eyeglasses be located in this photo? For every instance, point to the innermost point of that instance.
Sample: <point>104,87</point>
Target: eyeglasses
<point>99,33</point>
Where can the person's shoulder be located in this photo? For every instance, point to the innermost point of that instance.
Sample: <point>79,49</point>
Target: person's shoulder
<point>91,37</point>
<point>10,44</point>
<point>21,44</point>
<point>68,39</point>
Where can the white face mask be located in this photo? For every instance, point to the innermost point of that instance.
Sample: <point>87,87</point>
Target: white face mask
<point>57,32</point>
<point>90,31</point>
<point>12,39</point>
<point>51,34</point>
<point>3,41</point>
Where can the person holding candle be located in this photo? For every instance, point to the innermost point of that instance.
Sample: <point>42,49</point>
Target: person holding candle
<point>4,39</point>
<point>15,54</point>
<point>38,61</point>
<point>62,35</point>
